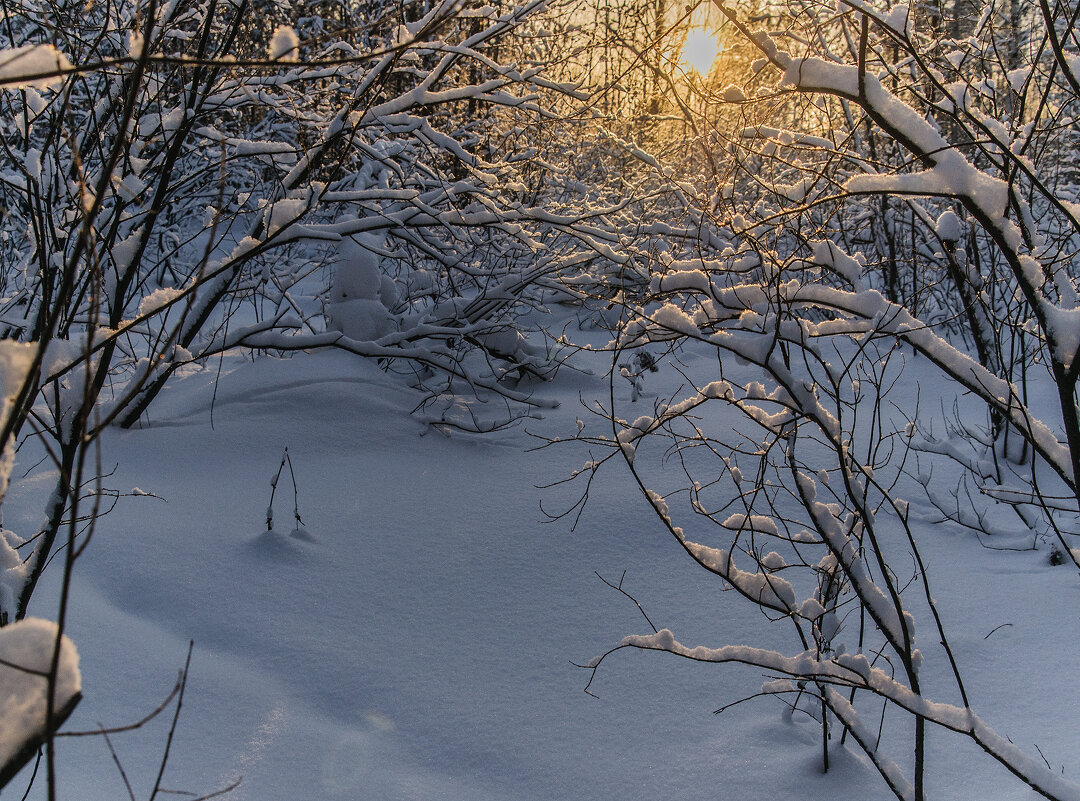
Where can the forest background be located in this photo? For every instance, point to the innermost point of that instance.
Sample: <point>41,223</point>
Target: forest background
<point>797,278</point>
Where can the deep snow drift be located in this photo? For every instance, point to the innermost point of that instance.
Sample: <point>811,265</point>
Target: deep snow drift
<point>414,640</point>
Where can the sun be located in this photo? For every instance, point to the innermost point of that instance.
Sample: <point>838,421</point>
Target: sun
<point>699,52</point>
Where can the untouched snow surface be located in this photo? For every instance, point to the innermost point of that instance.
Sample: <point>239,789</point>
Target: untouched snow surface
<point>415,641</point>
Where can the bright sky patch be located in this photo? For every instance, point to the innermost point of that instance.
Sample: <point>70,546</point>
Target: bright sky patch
<point>700,51</point>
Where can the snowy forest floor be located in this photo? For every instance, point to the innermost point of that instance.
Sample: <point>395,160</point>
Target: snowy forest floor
<point>416,642</point>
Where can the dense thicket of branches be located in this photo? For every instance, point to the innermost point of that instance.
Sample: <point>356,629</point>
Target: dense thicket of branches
<point>180,179</point>
<point>850,185</point>
<point>901,184</point>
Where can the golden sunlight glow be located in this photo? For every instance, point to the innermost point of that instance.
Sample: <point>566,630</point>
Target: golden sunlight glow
<point>699,52</point>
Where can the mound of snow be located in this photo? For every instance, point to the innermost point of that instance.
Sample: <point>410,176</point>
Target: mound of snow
<point>26,652</point>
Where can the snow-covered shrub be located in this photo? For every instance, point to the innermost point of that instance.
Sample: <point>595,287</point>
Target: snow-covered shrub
<point>361,295</point>
<point>178,180</point>
<point>963,135</point>
<point>921,208</point>
<point>225,185</point>
<point>797,507</point>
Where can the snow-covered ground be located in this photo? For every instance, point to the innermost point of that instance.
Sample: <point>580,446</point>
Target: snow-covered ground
<point>416,641</point>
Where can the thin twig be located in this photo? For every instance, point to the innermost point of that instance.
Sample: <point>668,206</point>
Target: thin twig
<point>1003,625</point>
<point>628,595</point>
<point>119,767</point>
<point>176,717</point>
<point>131,726</point>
